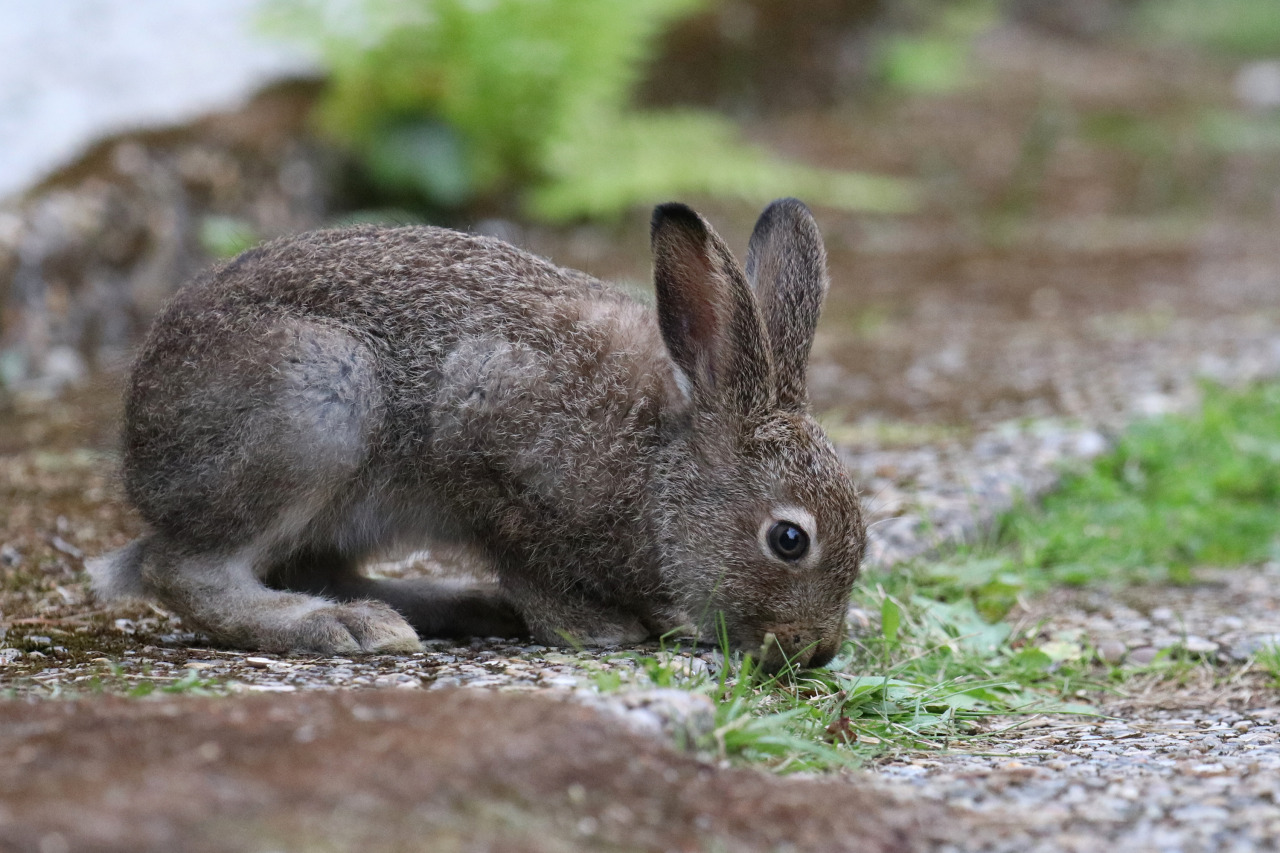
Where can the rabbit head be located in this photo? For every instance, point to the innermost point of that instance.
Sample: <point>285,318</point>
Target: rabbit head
<point>761,525</point>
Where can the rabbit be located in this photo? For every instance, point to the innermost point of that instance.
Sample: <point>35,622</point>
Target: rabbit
<point>627,473</point>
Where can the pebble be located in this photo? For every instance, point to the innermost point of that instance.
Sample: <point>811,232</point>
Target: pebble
<point>1112,651</point>
<point>1143,655</point>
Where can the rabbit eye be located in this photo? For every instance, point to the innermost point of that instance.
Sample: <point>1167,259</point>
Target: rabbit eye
<point>788,541</point>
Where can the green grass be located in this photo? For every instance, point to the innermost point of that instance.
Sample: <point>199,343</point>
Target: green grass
<point>943,661</point>
<point>1176,492</point>
<point>932,675</point>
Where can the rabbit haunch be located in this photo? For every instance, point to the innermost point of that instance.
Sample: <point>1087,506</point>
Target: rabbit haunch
<point>326,398</point>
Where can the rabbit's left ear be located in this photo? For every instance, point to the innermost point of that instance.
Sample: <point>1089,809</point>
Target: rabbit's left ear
<point>708,315</point>
<point>787,268</point>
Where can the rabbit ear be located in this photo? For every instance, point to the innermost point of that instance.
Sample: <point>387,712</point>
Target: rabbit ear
<point>787,268</point>
<point>708,314</point>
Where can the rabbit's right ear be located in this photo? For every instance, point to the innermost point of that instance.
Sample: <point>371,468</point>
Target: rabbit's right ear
<point>787,268</point>
<point>707,313</point>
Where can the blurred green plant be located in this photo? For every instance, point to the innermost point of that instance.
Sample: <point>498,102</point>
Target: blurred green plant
<point>227,236</point>
<point>1237,28</point>
<point>938,58</point>
<point>451,101</point>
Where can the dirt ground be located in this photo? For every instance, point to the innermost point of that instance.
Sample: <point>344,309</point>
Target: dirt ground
<point>391,771</point>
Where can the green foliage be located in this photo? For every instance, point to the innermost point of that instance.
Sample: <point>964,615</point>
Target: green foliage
<point>1268,659</point>
<point>938,59</point>
<point>1236,28</point>
<point>1177,491</point>
<point>226,236</point>
<point>929,677</point>
<point>453,100</point>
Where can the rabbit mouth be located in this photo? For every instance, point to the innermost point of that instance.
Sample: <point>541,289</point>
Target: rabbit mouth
<point>785,647</point>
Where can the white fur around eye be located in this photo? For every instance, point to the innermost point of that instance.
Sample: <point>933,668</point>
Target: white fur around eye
<point>800,517</point>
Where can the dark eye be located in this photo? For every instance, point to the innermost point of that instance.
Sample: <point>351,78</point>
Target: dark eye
<point>788,541</point>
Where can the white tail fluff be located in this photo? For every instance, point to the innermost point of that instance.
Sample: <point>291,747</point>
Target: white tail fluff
<point>118,575</point>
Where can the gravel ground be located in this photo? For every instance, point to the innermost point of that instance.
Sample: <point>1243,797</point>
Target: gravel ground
<point>1188,778</point>
<point>1166,767</point>
<point>1177,762</point>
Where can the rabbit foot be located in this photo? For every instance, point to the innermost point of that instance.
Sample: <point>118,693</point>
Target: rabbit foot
<point>437,609</point>
<point>360,627</point>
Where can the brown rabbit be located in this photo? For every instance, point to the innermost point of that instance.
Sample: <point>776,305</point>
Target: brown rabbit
<point>328,397</point>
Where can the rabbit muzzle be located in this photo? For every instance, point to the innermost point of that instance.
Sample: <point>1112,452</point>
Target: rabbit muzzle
<point>798,646</point>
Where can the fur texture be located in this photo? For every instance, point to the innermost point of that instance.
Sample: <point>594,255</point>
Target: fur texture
<point>328,397</point>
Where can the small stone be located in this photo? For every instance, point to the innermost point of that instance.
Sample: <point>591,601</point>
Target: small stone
<point>1199,645</point>
<point>209,751</point>
<point>1257,84</point>
<point>66,547</point>
<point>1162,614</point>
<point>1210,769</point>
<point>1089,444</point>
<point>259,663</point>
<point>1196,813</point>
<point>1249,646</point>
<point>1112,651</point>
<point>1143,655</point>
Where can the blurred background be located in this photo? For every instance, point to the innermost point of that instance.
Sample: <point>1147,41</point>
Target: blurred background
<point>1033,208</point>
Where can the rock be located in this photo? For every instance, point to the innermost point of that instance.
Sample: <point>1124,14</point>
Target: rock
<point>688,717</point>
<point>1112,651</point>
<point>1257,84</point>
<point>1199,645</point>
<point>1249,646</point>
<point>1143,655</point>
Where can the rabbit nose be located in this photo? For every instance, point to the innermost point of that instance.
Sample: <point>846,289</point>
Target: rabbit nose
<point>801,647</point>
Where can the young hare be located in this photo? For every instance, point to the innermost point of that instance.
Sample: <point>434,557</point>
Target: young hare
<point>328,397</point>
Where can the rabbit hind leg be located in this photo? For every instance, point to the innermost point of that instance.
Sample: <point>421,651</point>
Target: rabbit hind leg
<point>434,608</point>
<point>281,437</point>
<point>222,594</point>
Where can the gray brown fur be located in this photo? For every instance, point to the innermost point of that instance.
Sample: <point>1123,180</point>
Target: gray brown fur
<point>329,397</point>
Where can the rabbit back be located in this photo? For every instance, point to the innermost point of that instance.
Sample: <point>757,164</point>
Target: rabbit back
<point>379,385</point>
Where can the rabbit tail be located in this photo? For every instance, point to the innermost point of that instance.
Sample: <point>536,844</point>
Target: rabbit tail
<point>118,575</point>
